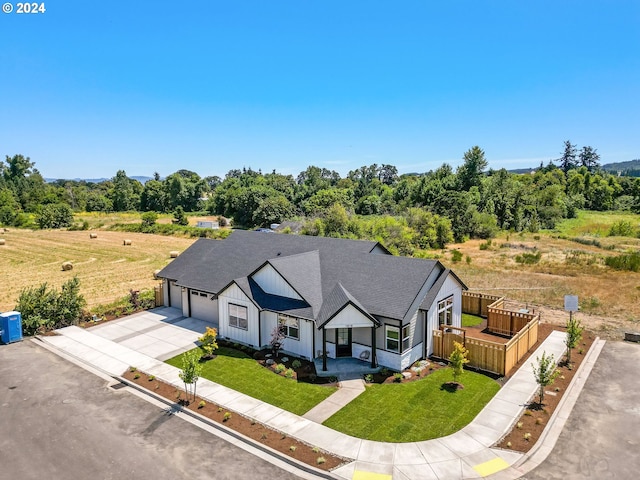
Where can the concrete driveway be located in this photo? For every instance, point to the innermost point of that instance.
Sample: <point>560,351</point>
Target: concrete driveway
<point>601,438</point>
<point>59,421</point>
<point>160,333</point>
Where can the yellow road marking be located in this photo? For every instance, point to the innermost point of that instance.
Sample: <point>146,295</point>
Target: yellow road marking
<point>492,466</point>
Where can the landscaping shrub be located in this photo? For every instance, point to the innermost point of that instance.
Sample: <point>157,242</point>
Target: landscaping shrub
<point>44,308</point>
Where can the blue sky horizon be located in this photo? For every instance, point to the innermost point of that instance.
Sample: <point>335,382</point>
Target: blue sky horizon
<point>93,88</point>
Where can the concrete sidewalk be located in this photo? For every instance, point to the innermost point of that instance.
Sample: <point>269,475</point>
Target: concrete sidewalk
<point>350,388</point>
<point>464,454</point>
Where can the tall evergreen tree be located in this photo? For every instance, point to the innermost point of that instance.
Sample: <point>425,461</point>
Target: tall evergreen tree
<point>568,159</point>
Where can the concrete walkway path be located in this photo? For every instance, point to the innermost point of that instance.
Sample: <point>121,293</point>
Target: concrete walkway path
<point>467,453</point>
<point>350,388</point>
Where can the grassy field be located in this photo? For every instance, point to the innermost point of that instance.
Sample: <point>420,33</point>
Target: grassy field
<point>571,262</point>
<point>242,373</point>
<point>106,268</point>
<point>414,411</point>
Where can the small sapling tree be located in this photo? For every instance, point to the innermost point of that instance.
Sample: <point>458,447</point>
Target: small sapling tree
<point>208,342</point>
<point>574,334</point>
<point>457,360</point>
<point>191,369</point>
<point>277,337</point>
<point>545,373</point>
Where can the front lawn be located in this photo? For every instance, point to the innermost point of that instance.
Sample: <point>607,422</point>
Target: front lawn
<point>237,370</point>
<point>414,411</point>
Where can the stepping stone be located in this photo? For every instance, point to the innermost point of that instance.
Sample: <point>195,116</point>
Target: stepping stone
<point>285,359</point>
<point>270,361</point>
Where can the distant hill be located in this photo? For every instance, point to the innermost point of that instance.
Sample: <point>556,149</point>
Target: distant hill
<point>626,169</point>
<point>141,179</point>
<point>629,169</point>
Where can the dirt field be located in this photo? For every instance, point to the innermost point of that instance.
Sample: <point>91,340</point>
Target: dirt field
<point>609,299</point>
<point>107,269</point>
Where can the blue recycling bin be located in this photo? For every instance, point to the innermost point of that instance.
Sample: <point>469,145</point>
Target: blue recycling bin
<point>11,327</point>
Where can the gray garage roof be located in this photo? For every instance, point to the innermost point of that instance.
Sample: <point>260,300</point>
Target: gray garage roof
<point>381,284</point>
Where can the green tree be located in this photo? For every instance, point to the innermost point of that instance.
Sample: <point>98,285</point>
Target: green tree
<point>457,360</point>
<point>545,373</point>
<point>54,216</point>
<point>190,373</point>
<point>589,158</point>
<point>208,342</point>
<point>43,308</point>
<point>470,171</point>
<point>568,159</point>
<point>574,334</point>
<point>148,222</point>
<point>272,209</point>
<point>179,217</point>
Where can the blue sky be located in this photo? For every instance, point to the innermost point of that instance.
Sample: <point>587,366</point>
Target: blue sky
<point>89,88</point>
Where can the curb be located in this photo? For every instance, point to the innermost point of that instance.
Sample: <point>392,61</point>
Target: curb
<point>261,451</point>
<point>544,446</point>
<point>227,431</point>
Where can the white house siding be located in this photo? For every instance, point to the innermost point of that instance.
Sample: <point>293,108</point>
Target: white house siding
<point>175,295</point>
<point>389,360</point>
<point>272,282</point>
<point>450,287</point>
<point>234,295</point>
<point>361,336</point>
<point>410,356</point>
<point>300,348</point>
<point>349,317</point>
<point>330,347</point>
<point>165,292</point>
<point>203,306</point>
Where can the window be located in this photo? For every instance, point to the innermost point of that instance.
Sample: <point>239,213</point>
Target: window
<point>290,326</point>
<point>392,338</point>
<point>406,338</point>
<point>445,311</point>
<point>238,316</point>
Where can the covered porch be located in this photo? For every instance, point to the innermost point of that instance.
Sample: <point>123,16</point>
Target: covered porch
<point>344,367</point>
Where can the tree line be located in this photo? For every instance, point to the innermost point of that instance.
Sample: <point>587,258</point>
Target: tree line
<point>413,210</point>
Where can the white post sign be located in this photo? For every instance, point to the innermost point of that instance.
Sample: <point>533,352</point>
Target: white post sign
<point>571,303</point>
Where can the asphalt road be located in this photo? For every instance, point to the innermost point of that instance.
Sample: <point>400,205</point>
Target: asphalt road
<point>601,438</point>
<point>58,421</point>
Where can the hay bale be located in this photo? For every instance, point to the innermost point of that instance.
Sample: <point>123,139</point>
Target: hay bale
<point>155,274</point>
<point>2,241</point>
<point>93,235</point>
<point>174,253</point>
<point>126,242</point>
<point>66,266</point>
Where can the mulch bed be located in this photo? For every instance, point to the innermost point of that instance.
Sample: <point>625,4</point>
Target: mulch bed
<point>532,423</point>
<point>257,431</point>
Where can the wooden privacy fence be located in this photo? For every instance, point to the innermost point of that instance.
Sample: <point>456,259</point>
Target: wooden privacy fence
<point>486,355</point>
<point>506,322</point>
<point>478,303</point>
<point>159,294</point>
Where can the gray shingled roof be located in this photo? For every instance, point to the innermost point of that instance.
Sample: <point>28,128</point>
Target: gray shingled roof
<point>382,285</point>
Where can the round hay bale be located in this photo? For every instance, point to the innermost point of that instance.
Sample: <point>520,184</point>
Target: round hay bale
<point>155,274</point>
<point>126,242</point>
<point>2,241</point>
<point>93,235</point>
<point>66,266</point>
<point>174,253</point>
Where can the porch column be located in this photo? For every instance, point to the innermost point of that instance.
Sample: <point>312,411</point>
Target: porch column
<point>324,349</point>
<point>374,364</point>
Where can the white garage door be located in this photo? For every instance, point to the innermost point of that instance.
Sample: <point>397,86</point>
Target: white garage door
<point>175,295</point>
<point>203,307</point>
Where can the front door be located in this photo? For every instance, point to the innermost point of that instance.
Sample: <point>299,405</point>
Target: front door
<point>343,342</point>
